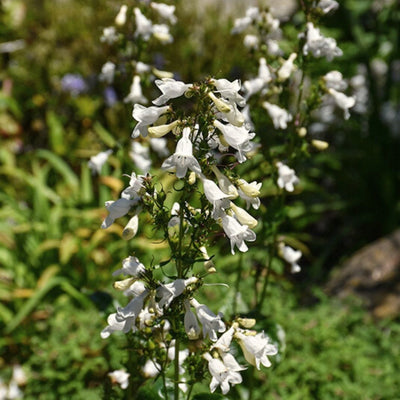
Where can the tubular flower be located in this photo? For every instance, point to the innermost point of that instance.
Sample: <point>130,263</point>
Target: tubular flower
<point>223,374</point>
<point>131,266</point>
<point>192,326</point>
<point>135,94</point>
<point>291,256</point>
<point>216,197</point>
<point>287,178</point>
<point>280,117</point>
<point>210,322</point>
<point>256,349</point>
<point>237,233</point>
<point>116,209</point>
<point>183,157</point>
<point>343,101</point>
<point>170,89</point>
<point>171,290</point>
<point>146,116</point>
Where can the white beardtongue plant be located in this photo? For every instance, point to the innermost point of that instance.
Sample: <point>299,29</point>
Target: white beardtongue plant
<point>178,338</point>
<point>173,337</point>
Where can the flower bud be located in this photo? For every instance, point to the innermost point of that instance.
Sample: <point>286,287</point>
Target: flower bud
<point>243,216</point>
<point>320,144</point>
<point>247,322</point>
<point>162,74</point>
<point>120,19</point>
<point>192,178</point>
<point>224,183</point>
<point>249,189</point>
<point>302,132</point>
<point>208,265</point>
<point>221,105</point>
<point>131,228</point>
<point>162,130</point>
<point>124,284</point>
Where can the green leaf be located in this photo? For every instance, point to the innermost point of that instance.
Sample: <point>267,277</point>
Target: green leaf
<point>60,166</point>
<point>104,135</point>
<point>56,133</point>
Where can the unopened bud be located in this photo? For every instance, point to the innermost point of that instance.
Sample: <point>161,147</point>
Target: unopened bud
<point>131,228</point>
<point>243,216</point>
<point>192,178</point>
<point>249,189</point>
<point>320,144</point>
<point>247,322</point>
<point>120,19</point>
<point>302,132</point>
<point>221,105</point>
<point>124,284</point>
<point>162,130</point>
<point>162,74</point>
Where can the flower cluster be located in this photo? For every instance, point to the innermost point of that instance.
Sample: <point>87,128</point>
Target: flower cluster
<point>207,143</point>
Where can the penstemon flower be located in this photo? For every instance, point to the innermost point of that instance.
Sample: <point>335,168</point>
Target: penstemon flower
<point>161,306</point>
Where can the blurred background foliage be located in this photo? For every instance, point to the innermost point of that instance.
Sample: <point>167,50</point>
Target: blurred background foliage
<point>55,262</point>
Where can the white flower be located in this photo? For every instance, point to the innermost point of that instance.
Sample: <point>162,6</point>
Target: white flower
<point>110,35</point>
<point>243,216</point>
<point>224,183</point>
<point>183,157</point>
<point>120,19</point>
<point>165,11</point>
<point>287,178</point>
<point>171,290</point>
<point>151,369</point>
<point>170,89</point>
<point>135,94</point>
<point>291,256</point>
<point>144,26</point>
<point>96,162</point>
<point>135,188</point>
<point>251,42</point>
<point>287,68</point>
<point>133,308</point>
<point>19,375</point>
<point>241,24</point>
<point>237,137</point>
<point>230,90</point>
<point>250,192</point>
<point>131,266</point>
<point>142,68</point>
<point>237,233</point>
<point>116,209</point>
<point>107,72</point>
<point>121,377</point>
<point>334,80</point>
<point>216,197</point>
<point>192,327</point>
<point>210,322</point>
<point>343,101</point>
<point>146,116</point>
<point>116,323</point>
<point>256,348</point>
<point>159,145</point>
<point>223,344</point>
<point>319,45</point>
<point>161,33</point>
<point>280,117</point>
<point>223,374</point>
<point>255,85</point>
<point>140,156</point>
<point>327,5</point>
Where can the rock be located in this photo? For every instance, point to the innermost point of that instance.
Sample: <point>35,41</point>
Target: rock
<point>373,274</point>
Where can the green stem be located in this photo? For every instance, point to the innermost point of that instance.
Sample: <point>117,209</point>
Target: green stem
<point>237,283</point>
<point>176,371</point>
<point>271,253</point>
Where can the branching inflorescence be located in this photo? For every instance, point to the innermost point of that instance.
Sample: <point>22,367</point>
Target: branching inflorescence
<point>205,121</point>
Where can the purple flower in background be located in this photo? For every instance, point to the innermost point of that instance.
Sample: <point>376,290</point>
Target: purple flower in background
<point>74,84</point>
<point>110,96</point>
